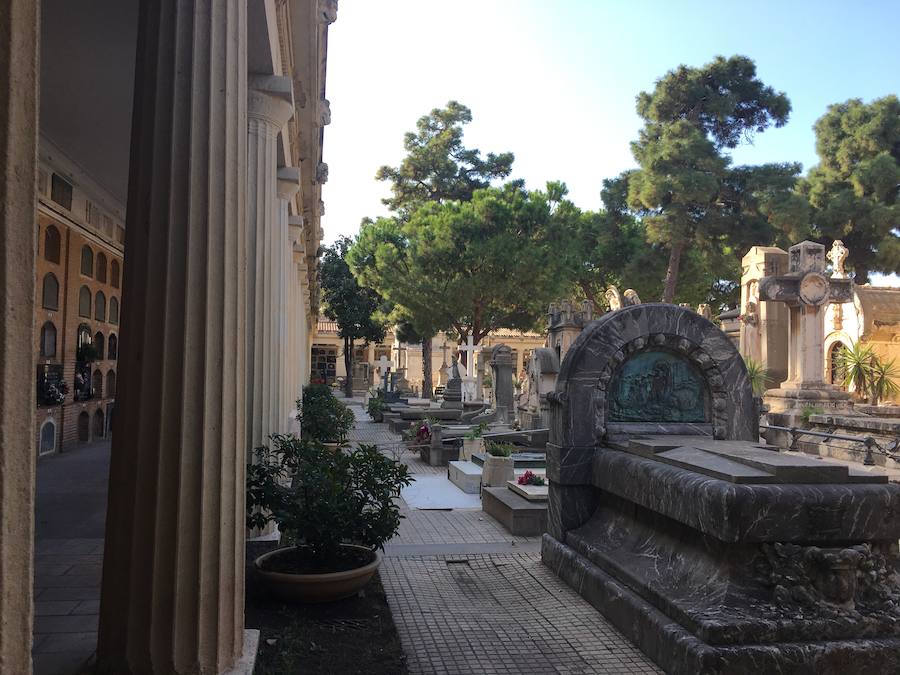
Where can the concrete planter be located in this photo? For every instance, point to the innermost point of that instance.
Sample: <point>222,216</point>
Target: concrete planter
<point>317,587</point>
<point>470,447</point>
<point>496,471</point>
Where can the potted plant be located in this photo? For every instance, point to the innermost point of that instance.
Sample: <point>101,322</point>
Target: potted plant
<point>322,416</point>
<point>335,514</point>
<point>375,406</point>
<point>498,465</point>
<point>473,441</point>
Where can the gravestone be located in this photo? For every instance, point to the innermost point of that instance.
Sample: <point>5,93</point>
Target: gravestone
<point>806,290</point>
<point>541,373</point>
<point>453,390</point>
<point>713,552</point>
<point>501,373</point>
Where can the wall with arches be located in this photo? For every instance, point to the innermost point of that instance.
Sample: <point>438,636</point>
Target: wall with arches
<point>72,256</point>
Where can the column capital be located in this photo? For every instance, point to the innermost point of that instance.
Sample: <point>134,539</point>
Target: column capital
<point>288,182</point>
<point>270,98</point>
<point>327,11</point>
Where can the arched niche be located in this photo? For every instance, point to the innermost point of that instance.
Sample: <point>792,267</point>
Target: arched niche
<point>47,437</point>
<point>580,404</point>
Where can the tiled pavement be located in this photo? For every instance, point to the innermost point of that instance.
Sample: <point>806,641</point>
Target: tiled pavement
<point>68,554</point>
<point>461,609</point>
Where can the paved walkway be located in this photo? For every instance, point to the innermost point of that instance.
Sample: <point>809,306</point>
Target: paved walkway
<point>70,518</point>
<point>467,597</point>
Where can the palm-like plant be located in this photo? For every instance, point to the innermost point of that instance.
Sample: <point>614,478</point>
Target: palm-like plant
<point>855,364</point>
<point>883,376</point>
<point>757,373</point>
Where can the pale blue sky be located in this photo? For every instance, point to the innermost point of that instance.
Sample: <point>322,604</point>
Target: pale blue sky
<point>554,81</point>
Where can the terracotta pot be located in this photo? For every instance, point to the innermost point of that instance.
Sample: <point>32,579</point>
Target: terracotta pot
<point>497,470</point>
<point>326,587</point>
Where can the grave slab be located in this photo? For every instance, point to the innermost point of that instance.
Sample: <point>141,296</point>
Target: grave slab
<point>466,476</point>
<point>533,493</point>
<point>518,515</point>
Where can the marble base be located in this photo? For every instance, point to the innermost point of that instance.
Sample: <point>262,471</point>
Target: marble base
<point>248,659</point>
<point>679,652</point>
<point>533,493</point>
<point>792,398</point>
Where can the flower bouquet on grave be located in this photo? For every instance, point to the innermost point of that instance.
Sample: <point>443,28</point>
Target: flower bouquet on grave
<point>531,478</point>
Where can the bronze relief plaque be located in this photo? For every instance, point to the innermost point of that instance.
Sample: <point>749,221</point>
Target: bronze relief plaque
<point>658,386</point>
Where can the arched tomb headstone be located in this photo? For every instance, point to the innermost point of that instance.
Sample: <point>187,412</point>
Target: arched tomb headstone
<point>710,550</point>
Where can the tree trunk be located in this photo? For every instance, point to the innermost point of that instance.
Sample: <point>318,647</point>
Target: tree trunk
<point>860,275</point>
<point>426,367</point>
<point>672,271</point>
<point>589,294</point>
<point>348,366</point>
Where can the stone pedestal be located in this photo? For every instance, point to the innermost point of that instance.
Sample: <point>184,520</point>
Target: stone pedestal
<point>173,568</point>
<point>19,31</point>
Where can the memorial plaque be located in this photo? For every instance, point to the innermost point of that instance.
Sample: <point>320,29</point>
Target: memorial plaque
<point>49,381</point>
<point>658,386</point>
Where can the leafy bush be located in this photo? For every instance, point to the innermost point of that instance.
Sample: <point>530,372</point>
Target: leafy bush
<point>322,416</point>
<point>375,405</point>
<point>476,432</point>
<point>334,497</point>
<point>757,373</point>
<point>500,449</point>
<point>810,410</point>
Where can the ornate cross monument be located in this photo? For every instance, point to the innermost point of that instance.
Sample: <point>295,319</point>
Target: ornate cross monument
<point>806,290</point>
<point>384,369</point>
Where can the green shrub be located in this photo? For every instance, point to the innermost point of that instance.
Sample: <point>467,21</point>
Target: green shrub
<point>375,405</point>
<point>810,410</point>
<point>334,496</point>
<point>322,416</point>
<point>476,432</point>
<point>757,373</point>
<point>500,449</point>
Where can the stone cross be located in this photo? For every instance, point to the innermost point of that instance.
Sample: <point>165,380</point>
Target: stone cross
<point>806,290</point>
<point>469,348</point>
<point>837,255</point>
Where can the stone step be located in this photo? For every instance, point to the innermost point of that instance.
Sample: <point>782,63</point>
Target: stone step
<point>519,516</point>
<point>466,476</point>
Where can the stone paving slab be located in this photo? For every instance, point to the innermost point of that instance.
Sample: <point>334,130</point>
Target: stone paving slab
<point>468,597</point>
<point>499,614</point>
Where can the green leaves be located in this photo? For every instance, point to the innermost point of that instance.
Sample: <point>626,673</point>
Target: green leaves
<point>854,189</point>
<point>685,190</point>
<point>352,306</point>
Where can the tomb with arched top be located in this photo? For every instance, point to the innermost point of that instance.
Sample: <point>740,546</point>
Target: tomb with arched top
<point>712,551</point>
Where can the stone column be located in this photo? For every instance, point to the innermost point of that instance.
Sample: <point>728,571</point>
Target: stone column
<point>502,373</point>
<point>173,571</point>
<point>19,29</point>
<point>283,255</point>
<point>270,107</point>
<point>764,325</point>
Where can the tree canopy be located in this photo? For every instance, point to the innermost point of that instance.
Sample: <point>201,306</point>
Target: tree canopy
<point>854,189</point>
<point>685,189</point>
<point>472,266</point>
<point>437,166</point>
<point>353,307</point>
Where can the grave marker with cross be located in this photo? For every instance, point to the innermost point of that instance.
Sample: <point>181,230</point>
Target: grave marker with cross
<point>384,369</point>
<point>806,290</point>
<point>469,378</point>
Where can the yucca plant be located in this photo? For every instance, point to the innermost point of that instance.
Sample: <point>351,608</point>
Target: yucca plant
<point>757,372</point>
<point>855,364</point>
<point>882,383</point>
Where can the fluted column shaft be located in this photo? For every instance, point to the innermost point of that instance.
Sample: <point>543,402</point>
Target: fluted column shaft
<point>282,253</point>
<point>270,107</point>
<point>19,21</point>
<point>173,573</point>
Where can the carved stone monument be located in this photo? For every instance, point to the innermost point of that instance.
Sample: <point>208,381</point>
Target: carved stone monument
<point>565,324</point>
<point>502,373</point>
<point>764,325</point>
<point>453,390</point>
<point>541,372</point>
<point>806,290</point>
<point>714,553</point>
